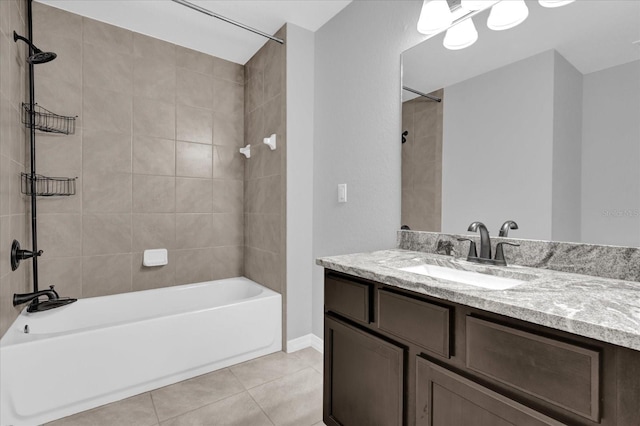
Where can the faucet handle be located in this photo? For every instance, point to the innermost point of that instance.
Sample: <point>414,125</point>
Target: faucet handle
<point>500,252</point>
<point>509,244</point>
<point>54,292</point>
<point>472,247</point>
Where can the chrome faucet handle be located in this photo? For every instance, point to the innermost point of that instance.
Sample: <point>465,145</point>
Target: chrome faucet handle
<point>500,260</point>
<point>472,247</point>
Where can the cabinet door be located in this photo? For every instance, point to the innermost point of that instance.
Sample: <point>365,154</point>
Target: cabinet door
<point>363,378</point>
<point>444,398</point>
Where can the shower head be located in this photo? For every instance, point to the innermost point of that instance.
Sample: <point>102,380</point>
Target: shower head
<point>38,57</point>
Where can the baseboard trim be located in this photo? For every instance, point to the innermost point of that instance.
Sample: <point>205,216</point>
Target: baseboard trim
<point>317,343</point>
<point>307,341</point>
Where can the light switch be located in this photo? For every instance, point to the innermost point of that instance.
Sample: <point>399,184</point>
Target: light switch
<point>342,192</point>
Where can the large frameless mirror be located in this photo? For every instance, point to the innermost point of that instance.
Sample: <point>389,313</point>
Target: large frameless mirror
<point>539,123</point>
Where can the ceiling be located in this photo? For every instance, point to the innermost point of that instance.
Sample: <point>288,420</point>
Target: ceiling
<point>172,22</point>
<point>590,34</point>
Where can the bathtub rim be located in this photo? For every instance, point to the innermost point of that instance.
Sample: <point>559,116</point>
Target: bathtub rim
<point>15,336</point>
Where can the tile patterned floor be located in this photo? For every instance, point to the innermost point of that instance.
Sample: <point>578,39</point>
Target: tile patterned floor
<point>275,390</point>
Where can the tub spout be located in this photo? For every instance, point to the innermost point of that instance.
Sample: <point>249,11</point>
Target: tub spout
<point>53,300</point>
<point>19,299</point>
<point>49,304</point>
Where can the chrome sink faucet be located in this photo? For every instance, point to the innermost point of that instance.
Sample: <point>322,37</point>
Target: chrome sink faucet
<point>504,232</point>
<point>485,244</point>
<point>485,240</point>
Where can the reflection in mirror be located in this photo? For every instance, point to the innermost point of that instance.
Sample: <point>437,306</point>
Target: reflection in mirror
<point>422,163</point>
<point>539,124</point>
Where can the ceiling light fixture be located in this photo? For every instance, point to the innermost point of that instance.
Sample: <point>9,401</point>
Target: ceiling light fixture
<point>435,16</point>
<point>507,14</point>
<point>554,3</point>
<point>461,35</point>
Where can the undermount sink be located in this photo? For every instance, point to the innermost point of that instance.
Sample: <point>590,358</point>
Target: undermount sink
<point>477,279</point>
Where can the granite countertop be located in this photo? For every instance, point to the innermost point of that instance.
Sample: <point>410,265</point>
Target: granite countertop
<point>600,308</point>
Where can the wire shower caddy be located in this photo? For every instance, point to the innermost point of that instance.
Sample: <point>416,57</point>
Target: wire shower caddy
<point>46,186</point>
<point>47,121</point>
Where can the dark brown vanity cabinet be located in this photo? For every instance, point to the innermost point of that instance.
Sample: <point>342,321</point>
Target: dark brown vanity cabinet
<point>353,395</point>
<point>395,357</point>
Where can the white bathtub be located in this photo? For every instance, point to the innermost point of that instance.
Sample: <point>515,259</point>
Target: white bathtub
<point>102,349</point>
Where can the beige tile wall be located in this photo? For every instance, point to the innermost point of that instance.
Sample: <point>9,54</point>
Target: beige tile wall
<point>265,171</point>
<point>155,153</point>
<point>13,140</point>
<point>156,156</point>
<point>422,164</point>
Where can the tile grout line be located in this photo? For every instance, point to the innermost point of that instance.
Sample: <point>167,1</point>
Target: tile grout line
<point>203,406</point>
<point>271,380</point>
<point>281,377</point>
<point>236,377</point>
<point>287,375</point>
<point>153,403</point>
<point>261,409</point>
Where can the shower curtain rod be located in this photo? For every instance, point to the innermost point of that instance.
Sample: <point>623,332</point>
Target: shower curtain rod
<point>431,97</point>
<point>230,21</point>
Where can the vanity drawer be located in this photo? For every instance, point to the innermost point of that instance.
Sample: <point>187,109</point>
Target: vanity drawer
<point>348,297</point>
<point>419,322</point>
<point>560,373</point>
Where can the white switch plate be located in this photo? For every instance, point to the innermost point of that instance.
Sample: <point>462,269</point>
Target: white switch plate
<point>342,192</point>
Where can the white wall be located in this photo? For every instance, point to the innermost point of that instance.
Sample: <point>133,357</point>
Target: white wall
<point>357,130</point>
<point>300,97</point>
<point>497,158</point>
<point>567,142</point>
<point>611,143</point>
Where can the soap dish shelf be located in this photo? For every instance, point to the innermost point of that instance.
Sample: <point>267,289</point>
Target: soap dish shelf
<point>47,121</point>
<point>46,186</point>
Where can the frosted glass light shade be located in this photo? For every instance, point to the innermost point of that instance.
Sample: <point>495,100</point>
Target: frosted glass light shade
<point>554,3</point>
<point>435,16</point>
<point>507,14</point>
<point>461,35</point>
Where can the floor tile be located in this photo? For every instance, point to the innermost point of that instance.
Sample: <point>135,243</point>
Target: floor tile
<point>262,370</point>
<point>294,400</point>
<point>237,410</point>
<point>312,357</point>
<point>171,401</point>
<point>134,411</point>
